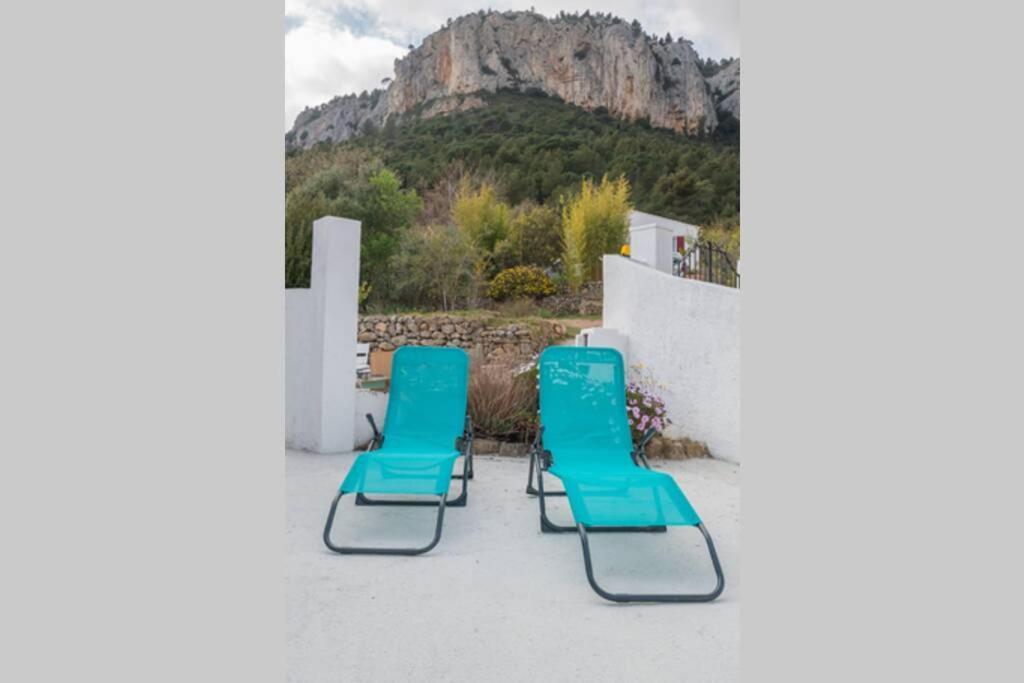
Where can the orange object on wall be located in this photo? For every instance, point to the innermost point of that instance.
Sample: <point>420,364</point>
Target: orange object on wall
<point>380,363</point>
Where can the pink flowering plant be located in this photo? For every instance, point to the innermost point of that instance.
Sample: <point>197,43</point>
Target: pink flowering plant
<point>644,407</point>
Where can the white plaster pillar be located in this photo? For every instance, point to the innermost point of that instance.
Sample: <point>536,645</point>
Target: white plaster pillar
<point>334,285</point>
<point>607,338</point>
<point>652,245</point>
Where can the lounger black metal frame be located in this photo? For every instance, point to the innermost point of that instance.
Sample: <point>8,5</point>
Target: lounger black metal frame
<point>541,460</point>
<point>465,447</point>
<point>653,597</point>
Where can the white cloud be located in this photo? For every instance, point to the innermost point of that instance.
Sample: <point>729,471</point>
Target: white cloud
<point>341,46</point>
<point>323,60</point>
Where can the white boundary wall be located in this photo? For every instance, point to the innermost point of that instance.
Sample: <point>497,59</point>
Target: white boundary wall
<point>638,219</point>
<point>687,335</point>
<point>320,343</point>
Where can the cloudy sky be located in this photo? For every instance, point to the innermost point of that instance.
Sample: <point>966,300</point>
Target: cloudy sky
<point>334,47</point>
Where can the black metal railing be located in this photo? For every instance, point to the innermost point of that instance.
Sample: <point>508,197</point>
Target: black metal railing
<point>708,263</point>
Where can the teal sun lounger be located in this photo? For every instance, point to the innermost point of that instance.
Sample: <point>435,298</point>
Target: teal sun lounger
<point>425,431</point>
<point>584,440</point>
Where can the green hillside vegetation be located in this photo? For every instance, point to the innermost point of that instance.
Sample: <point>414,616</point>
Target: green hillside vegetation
<point>542,148</point>
<point>456,199</point>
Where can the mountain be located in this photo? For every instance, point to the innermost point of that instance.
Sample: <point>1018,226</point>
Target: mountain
<point>725,89</point>
<point>596,62</point>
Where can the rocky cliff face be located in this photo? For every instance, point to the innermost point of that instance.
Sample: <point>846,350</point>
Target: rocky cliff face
<point>339,119</point>
<point>725,89</point>
<point>592,62</point>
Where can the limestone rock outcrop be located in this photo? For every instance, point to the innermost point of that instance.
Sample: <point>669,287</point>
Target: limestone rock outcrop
<point>592,61</point>
<point>725,89</point>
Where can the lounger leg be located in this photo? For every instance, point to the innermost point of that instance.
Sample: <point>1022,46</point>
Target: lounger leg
<point>467,474</point>
<point>530,490</point>
<point>382,551</point>
<point>631,597</point>
<point>546,525</point>
<point>467,466</point>
<point>469,449</point>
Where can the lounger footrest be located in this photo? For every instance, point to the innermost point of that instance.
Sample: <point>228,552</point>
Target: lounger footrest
<point>389,472</point>
<point>631,497</point>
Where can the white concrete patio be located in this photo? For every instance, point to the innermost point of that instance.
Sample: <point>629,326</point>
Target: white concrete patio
<point>496,600</point>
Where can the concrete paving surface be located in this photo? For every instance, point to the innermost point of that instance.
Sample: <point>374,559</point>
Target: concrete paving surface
<point>497,600</point>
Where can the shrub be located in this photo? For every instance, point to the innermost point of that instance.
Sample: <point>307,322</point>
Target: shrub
<point>518,308</point>
<point>682,193</point>
<point>502,401</point>
<point>725,234</point>
<point>535,238</point>
<point>520,282</point>
<point>366,193</point>
<point>364,293</point>
<point>644,408</point>
<point>436,268</point>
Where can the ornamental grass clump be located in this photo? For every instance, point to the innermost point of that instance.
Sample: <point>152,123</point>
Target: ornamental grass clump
<point>502,401</point>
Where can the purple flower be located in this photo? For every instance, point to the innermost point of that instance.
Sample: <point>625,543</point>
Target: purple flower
<point>656,423</point>
<point>636,412</point>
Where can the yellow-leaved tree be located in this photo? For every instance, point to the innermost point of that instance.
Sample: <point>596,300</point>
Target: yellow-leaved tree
<point>725,234</point>
<point>481,215</point>
<point>594,223</point>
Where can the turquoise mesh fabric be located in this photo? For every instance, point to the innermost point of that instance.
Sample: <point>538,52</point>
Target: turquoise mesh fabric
<point>583,411</point>
<point>426,414</point>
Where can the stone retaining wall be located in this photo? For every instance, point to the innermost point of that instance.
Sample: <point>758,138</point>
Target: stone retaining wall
<point>482,334</point>
<point>586,301</point>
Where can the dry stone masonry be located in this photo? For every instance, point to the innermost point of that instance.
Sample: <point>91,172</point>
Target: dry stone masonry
<point>495,340</point>
<point>587,301</point>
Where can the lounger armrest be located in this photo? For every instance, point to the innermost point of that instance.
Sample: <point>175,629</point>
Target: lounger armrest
<point>462,443</point>
<point>377,437</point>
<point>543,456</point>
<point>538,439</point>
<point>638,451</point>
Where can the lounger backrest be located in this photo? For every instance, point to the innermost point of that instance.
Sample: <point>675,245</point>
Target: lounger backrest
<point>583,399</point>
<point>427,399</point>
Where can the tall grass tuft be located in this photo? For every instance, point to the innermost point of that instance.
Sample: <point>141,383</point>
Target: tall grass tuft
<point>502,401</point>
